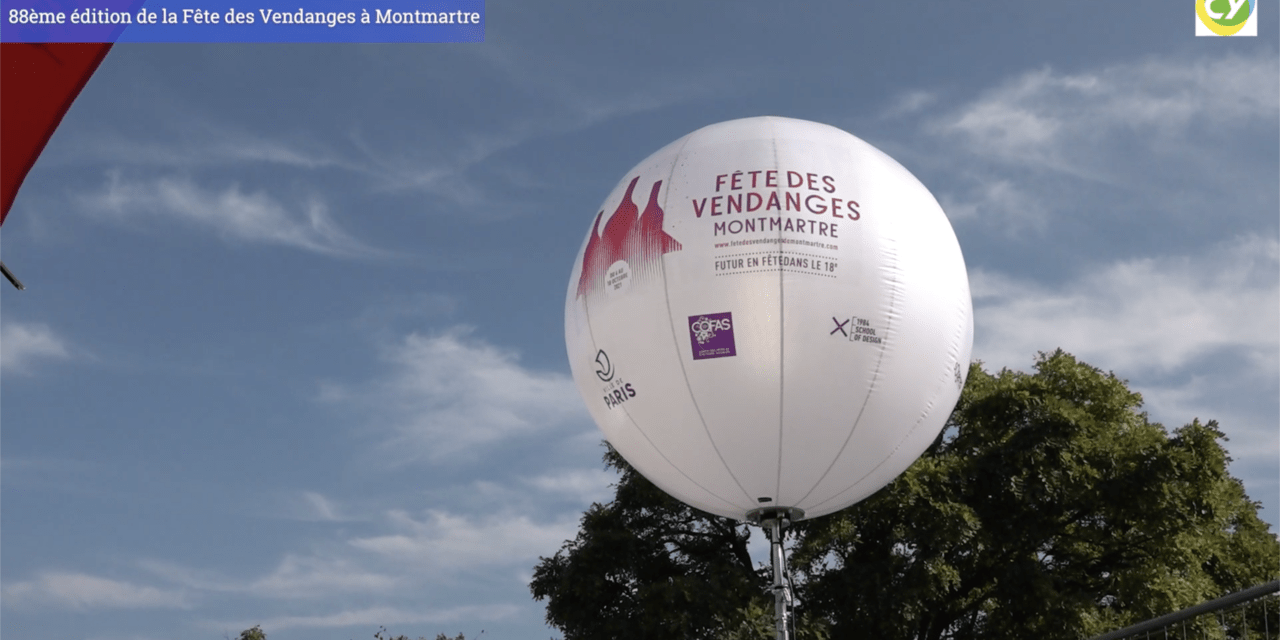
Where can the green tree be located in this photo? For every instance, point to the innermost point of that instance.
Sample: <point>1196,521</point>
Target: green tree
<point>1050,507</point>
<point>383,634</point>
<point>647,566</point>
<point>255,633</point>
<point>756,622</point>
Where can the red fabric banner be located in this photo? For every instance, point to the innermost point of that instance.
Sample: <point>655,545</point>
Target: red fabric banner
<point>38,83</point>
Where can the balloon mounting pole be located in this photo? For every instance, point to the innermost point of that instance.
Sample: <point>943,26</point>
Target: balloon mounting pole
<point>8,275</point>
<point>774,521</point>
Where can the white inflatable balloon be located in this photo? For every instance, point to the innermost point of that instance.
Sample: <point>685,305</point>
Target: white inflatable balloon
<point>769,313</point>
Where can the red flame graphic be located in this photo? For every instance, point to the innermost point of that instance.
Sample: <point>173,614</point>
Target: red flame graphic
<point>638,240</point>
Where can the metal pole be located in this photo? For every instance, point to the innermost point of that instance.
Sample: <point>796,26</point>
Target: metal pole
<point>10,277</point>
<point>1252,593</point>
<point>781,592</point>
<point>774,521</point>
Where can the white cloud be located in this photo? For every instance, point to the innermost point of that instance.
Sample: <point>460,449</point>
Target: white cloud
<point>202,143</point>
<point>443,395</point>
<point>1163,137</point>
<point>1198,336</point>
<point>428,155</point>
<point>80,592</point>
<point>1236,399</point>
<point>447,174</point>
<point>187,578</point>
<point>910,103</point>
<point>451,542</point>
<point>383,314</point>
<point>320,507</point>
<point>1055,119</point>
<point>408,555</point>
<point>1152,314</point>
<point>210,145</point>
<point>1195,335</point>
<point>1201,396</point>
<point>1156,179</point>
<point>1000,200</point>
<point>249,217</point>
<point>315,575</point>
<point>449,394</point>
<point>22,343</point>
<point>312,576</point>
<point>585,485</point>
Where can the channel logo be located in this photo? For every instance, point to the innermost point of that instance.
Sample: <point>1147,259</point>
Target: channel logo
<point>1227,17</point>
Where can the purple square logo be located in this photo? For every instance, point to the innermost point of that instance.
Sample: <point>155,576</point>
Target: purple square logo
<point>711,335</point>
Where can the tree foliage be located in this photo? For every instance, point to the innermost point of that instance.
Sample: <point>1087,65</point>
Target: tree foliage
<point>647,566</point>
<point>253,633</point>
<point>256,633</point>
<point>383,634</point>
<point>1050,507</point>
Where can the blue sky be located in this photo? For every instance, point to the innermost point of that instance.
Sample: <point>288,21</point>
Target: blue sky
<point>292,352</point>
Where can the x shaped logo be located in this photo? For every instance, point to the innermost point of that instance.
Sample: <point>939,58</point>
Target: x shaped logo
<point>840,327</point>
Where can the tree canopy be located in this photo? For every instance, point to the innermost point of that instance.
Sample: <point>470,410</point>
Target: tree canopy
<point>1049,507</point>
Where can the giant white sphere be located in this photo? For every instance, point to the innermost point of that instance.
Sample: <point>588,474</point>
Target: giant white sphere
<point>769,312</point>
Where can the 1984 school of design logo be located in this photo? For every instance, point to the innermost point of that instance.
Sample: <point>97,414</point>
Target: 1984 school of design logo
<point>1227,17</point>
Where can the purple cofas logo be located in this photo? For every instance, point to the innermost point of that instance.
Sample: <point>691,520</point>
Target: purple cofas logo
<point>712,335</point>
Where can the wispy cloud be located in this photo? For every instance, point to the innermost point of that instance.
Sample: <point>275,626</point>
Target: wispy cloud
<point>910,103</point>
<point>384,314</point>
<point>302,506</point>
<point>584,485</point>
<point>323,508</point>
<point>230,212</point>
<point>456,159</point>
<point>81,592</point>
<point>998,200</point>
<point>1174,136</point>
<point>310,576</point>
<point>1160,171</point>
<point>430,538</point>
<point>1233,399</point>
<point>205,143</point>
<point>451,173</point>
<point>1195,335</point>
<point>449,393</point>
<point>1054,119</point>
<point>451,542</point>
<point>1139,315</point>
<point>374,617</point>
<point>22,344</point>
<point>493,538</point>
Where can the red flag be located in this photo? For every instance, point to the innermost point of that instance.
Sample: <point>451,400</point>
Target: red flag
<point>38,83</point>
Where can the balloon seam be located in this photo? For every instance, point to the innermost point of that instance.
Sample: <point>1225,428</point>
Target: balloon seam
<point>666,296</point>
<point>923,415</point>
<point>875,377</point>
<point>782,338</point>
<point>586,301</point>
